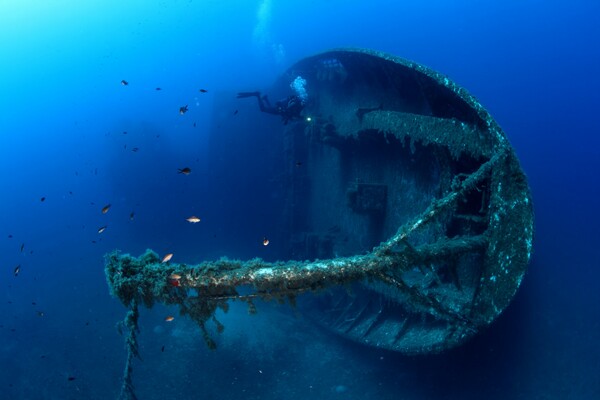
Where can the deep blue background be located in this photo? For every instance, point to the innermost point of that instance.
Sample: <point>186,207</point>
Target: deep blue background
<point>63,111</point>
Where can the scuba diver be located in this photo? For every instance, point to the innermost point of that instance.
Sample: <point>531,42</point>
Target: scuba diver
<point>289,108</point>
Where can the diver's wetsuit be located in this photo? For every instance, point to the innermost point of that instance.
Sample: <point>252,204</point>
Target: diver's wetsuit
<point>289,108</point>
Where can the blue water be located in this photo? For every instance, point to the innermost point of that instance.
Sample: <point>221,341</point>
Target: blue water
<point>63,113</point>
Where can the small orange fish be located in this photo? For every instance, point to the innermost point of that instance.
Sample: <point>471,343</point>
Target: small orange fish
<point>169,318</point>
<point>193,219</point>
<point>102,229</point>
<point>175,276</point>
<point>105,209</point>
<point>175,282</point>
<point>185,171</point>
<point>265,241</point>
<point>167,257</point>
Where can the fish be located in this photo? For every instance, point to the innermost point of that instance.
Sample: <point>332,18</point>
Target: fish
<point>102,229</point>
<point>298,163</point>
<point>193,219</point>
<point>183,110</point>
<point>17,270</point>
<point>167,258</point>
<point>71,378</point>
<point>22,247</point>
<point>194,124</point>
<point>43,199</point>
<point>158,88</point>
<point>135,149</point>
<point>235,112</point>
<point>175,282</point>
<point>203,90</point>
<point>175,276</point>
<point>185,171</point>
<point>131,215</point>
<point>40,313</point>
<point>162,349</point>
<point>124,82</point>
<point>169,318</point>
<point>105,209</point>
<point>10,236</point>
<point>265,241</point>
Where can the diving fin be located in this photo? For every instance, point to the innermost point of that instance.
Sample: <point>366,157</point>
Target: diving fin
<point>242,95</point>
